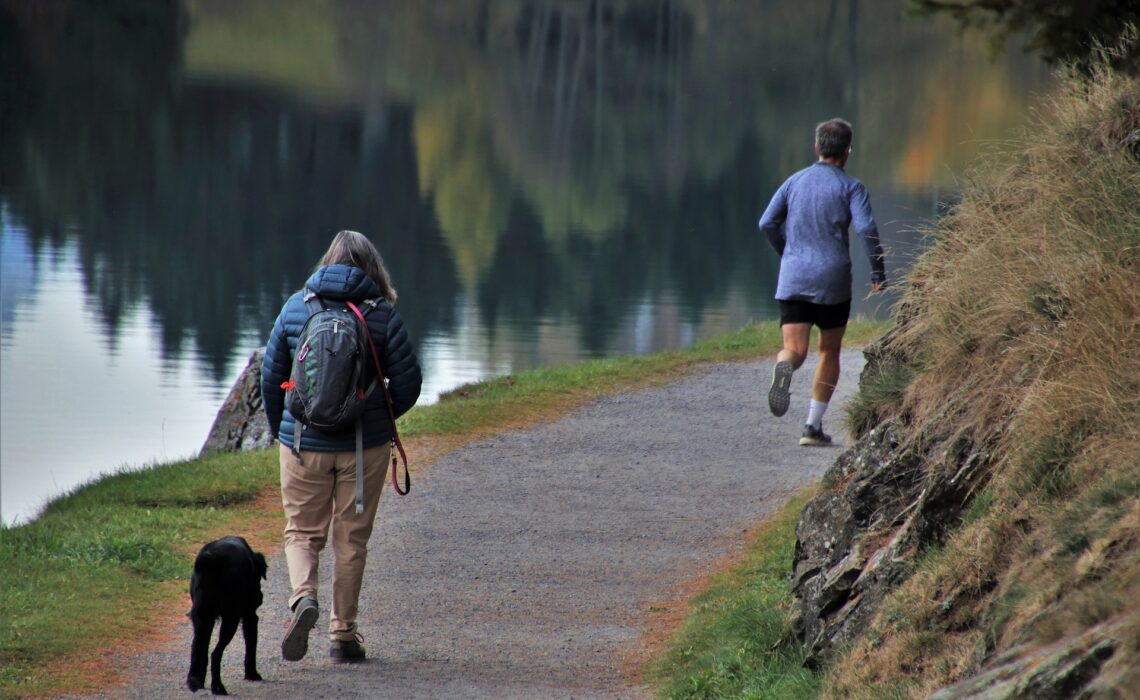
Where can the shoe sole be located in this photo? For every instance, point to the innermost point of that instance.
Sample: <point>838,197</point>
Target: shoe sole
<point>779,395</point>
<point>814,442</point>
<point>296,642</point>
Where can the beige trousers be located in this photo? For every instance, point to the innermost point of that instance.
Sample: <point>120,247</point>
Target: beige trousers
<point>319,493</point>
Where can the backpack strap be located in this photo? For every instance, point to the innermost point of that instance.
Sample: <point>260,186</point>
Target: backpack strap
<point>312,301</point>
<point>360,465</point>
<point>297,427</point>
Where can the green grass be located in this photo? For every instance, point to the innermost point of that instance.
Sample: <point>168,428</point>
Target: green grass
<point>738,641</point>
<point>99,562</point>
<point>885,389</point>
<point>83,571</point>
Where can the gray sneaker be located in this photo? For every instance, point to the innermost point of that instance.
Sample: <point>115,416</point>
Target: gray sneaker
<point>296,642</point>
<point>347,651</point>
<point>814,436</point>
<point>780,394</point>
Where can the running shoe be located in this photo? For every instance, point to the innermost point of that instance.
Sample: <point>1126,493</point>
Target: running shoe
<point>815,436</point>
<point>780,394</point>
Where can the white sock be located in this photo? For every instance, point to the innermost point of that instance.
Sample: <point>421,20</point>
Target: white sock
<point>815,414</point>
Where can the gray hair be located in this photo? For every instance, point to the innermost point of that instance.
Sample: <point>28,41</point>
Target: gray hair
<point>833,138</point>
<point>352,248</point>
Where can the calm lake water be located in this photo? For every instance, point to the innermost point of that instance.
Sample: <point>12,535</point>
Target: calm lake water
<point>548,181</point>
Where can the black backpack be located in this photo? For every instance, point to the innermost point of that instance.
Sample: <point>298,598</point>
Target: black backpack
<point>325,388</point>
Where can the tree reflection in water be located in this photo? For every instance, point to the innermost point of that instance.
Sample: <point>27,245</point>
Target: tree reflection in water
<point>559,159</point>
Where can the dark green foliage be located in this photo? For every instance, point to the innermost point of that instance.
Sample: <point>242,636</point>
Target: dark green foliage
<point>1000,612</point>
<point>1063,31</point>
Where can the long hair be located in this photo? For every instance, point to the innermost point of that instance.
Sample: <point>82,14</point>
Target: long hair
<point>352,248</point>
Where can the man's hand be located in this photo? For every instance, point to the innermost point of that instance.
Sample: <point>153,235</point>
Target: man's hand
<point>878,282</point>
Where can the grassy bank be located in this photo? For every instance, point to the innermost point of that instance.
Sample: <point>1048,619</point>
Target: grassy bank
<point>737,640</point>
<point>104,567</point>
<point>1020,334</point>
<point>111,562</point>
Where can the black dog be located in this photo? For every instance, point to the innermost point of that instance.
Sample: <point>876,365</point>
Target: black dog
<point>226,584</point>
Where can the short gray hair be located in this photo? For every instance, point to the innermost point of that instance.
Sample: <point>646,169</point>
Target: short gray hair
<point>833,137</point>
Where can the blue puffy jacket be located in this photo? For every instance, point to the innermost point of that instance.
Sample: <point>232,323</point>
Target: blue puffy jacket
<point>397,359</point>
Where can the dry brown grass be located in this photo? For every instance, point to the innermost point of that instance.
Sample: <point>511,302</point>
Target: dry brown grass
<point>1021,329</point>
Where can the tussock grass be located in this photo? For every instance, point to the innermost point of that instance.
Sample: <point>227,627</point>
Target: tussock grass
<point>1020,330</point>
<point>878,394</point>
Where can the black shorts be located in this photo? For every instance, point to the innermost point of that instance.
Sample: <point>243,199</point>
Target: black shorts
<point>826,316</point>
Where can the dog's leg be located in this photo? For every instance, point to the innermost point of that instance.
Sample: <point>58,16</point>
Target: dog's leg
<point>249,631</point>
<point>225,634</point>
<point>199,649</point>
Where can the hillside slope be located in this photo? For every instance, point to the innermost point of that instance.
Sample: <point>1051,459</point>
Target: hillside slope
<point>982,539</point>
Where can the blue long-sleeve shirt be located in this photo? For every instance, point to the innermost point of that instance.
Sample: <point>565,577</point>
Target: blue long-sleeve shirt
<point>807,222</point>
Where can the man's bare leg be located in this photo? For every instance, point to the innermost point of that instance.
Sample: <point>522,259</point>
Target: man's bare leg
<point>823,385</point>
<point>789,359</point>
<point>796,338</point>
<point>827,373</point>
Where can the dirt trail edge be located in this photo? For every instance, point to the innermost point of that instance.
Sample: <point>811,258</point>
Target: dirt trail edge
<point>524,565</point>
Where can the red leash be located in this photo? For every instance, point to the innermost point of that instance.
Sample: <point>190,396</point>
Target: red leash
<point>391,411</point>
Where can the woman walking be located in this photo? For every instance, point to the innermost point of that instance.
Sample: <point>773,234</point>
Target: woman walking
<point>319,475</point>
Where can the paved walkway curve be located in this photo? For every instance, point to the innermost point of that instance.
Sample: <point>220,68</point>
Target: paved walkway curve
<point>524,565</point>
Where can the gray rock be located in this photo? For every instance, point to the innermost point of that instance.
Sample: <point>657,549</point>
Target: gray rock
<point>241,422</point>
<point>882,505</point>
<point>1066,669</point>
<point>852,541</point>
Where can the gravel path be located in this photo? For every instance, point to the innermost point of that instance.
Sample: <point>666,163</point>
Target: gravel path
<point>524,566</point>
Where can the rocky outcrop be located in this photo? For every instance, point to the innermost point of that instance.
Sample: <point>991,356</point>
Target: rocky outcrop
<point>849,541</point>
<point>241,422</point>
<point>883,503</point>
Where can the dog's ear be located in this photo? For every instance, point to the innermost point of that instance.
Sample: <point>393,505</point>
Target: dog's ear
<point>260,564</point>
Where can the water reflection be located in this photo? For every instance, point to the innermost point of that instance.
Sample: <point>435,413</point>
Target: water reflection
<point>18,275</point>
<point>547,180</point>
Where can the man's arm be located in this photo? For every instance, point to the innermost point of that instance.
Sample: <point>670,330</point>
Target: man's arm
<point>864,223</point>
<point>772,223</point>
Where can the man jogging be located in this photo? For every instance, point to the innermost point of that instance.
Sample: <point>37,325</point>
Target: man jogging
<point>806,222</point>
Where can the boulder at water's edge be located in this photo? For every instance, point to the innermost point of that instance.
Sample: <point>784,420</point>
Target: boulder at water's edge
<point>241,422</point>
